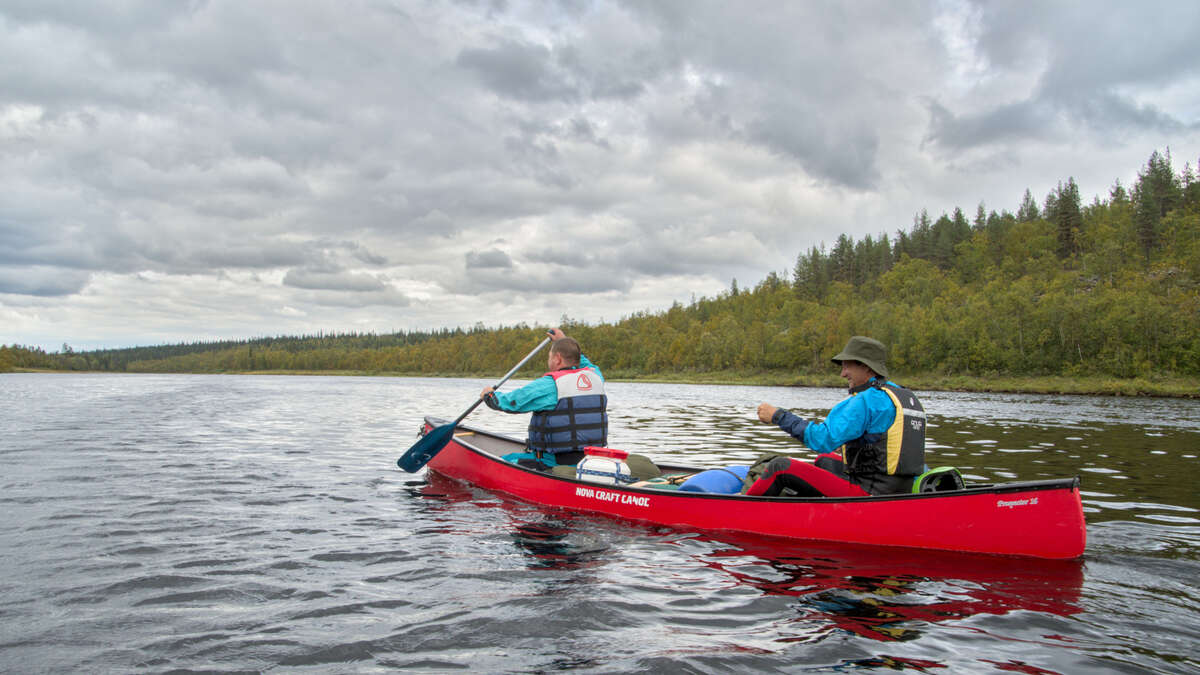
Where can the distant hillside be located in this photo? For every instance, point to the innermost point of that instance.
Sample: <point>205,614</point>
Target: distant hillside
<point>1059,288</point>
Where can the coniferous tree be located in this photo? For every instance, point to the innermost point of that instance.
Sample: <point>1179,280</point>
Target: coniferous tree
<point>942,236</point>
<point>810,277</point>
<point>841,259</point>
<point>1156,192</point>
<point>1029,209</point>
<point>1118,195</point>
<point>1188,187</point>
<point>1063,210</point>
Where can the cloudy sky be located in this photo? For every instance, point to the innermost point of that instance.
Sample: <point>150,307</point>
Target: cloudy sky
<point>197,170</point>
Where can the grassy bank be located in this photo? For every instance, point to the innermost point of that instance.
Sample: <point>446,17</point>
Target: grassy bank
<point>1169,387</point>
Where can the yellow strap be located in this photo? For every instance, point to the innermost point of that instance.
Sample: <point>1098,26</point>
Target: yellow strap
<point>895,435</point>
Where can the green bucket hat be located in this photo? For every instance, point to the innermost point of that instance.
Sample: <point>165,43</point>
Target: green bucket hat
<point>866,351</point>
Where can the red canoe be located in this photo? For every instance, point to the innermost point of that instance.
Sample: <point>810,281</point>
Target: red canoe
<point>1042,519</point>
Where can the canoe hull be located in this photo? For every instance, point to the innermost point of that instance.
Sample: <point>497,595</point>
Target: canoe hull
<point>1042,519</point>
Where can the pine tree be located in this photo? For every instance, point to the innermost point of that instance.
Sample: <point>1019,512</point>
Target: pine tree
<point>841,259</point>
<point>1029,209</point>
<point>1156,193</point>
<point>1064,211</point>
<point>1118,195</point>
<point>810,278</point>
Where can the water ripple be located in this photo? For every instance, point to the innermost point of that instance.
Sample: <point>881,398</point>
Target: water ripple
<point>197,523</point>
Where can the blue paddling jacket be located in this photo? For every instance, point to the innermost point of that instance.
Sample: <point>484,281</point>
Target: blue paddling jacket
<point>570,409</point>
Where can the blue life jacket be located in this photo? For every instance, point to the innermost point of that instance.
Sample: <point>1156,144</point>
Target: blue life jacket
<point>884,463</point>
<point>580,419</point>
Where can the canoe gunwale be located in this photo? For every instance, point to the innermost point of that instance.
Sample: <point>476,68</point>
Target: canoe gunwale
<point>1030,519</point>
<point>1072,483</point>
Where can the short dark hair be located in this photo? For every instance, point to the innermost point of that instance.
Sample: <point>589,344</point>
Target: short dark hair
<point>568,349</point>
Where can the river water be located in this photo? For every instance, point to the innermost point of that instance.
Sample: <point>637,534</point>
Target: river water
<point>156,523</point>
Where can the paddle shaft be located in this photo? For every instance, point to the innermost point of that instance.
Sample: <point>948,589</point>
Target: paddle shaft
<point>502,380</point>
<point>432,443</point>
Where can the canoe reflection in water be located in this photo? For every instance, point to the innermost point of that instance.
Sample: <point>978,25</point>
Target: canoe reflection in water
<point>881,593</point>
<point>885,593</point>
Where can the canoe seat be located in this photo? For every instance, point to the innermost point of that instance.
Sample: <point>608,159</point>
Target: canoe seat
<point>642,467</point>
<point>941,479</point>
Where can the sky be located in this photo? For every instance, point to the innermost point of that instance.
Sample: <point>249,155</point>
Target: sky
<point>208,170</point>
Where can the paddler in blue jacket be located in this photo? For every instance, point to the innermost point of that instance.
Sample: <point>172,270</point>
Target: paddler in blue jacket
<point>569,406</point>
<point>870,443</point>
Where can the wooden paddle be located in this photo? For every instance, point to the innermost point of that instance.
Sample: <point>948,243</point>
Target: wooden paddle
<point>432,443</point>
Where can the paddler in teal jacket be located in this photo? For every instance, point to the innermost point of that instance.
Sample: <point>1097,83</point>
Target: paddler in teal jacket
<point>569,406</point>
<point>870,443</point>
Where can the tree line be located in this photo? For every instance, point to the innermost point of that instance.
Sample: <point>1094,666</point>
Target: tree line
<point>1058,288</point>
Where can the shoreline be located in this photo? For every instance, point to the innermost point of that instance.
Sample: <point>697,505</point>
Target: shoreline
<point>1160,387</point>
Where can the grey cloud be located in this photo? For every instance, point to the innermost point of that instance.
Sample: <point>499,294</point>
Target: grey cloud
<point>615,148</point>
<point>261,255</point>
<point>842,154</point>
<point>1086,46</point>
<point>566,257</point>
<point>749,77</point>
<point>1087,77</point>
<point>1041,119</point>
<point>368,257</point>
<point>491,258</point>
<point>663,252</point>
<point>333,281</point>
<point>42,281</point>
<point>383,297</point>
<point>613,266</point>
<point>230,209</point>
<point>17,239</point>
<point>93,248</point>
<point>123,18</point>
<point>520,71</point>
<point>1015,122</point>
<point>539,159</point>
<point>332,254</point>
<point>72,246</point>
<point>582,129</point>
<point>539,279</point>
<point>622,78</point>
<point>435,222</point>
<point>534,73</point>
<point>1104,111</point>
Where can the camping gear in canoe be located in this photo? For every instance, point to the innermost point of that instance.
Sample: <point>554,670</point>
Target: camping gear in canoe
<point>1042,518</point>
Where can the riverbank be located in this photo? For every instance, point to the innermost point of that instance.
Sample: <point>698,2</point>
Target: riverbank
<point>1165,387</point>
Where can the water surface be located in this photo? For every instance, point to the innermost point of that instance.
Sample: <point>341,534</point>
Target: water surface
<point>242,523</point>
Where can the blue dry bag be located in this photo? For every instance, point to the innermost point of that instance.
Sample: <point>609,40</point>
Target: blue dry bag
<point>726,480</point>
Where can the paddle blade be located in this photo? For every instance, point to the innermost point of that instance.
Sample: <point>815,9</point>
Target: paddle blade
<point>423,450</point>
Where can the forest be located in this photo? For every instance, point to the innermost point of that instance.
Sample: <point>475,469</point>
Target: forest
<point>1059,288</point>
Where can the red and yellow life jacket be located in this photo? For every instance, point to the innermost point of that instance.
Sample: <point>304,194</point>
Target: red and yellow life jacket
<point>884,463</point>
<point>580,419</point>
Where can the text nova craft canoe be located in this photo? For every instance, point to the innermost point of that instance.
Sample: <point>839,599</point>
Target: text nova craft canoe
<point>1041,519</point>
